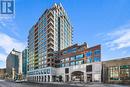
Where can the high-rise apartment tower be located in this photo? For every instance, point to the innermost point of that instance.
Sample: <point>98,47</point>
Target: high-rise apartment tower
<point>52,32</point>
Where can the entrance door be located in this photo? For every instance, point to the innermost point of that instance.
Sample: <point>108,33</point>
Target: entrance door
<point>77,76</point>
<point>89,77</point>
<point>66,78</point>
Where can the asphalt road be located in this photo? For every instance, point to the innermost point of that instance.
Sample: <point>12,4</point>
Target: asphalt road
<point>25,84</point>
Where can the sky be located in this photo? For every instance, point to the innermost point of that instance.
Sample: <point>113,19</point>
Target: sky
<point>105,22</point>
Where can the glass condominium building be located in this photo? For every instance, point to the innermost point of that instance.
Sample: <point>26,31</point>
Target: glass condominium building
<point>52,32</point>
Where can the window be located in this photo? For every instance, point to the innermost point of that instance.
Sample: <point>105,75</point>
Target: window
<point>114,72</point>
<point>79,56</point>
<point>48,71</point>
<point>77,62</point>
<point>89,53</point>
<point>89,68</point>
<point>96,59</point>
<point>125,67</point>
<point>66,59</point>
<point>72,58</point>
<point>45,71</point>
<point>81,62</point>
<point>66,70</point>
<point>67,64</point>
<point>62,65</point>
<point>96,52</point>
<point>70,51</point>
<point>125,72</point>
<point>65,52</point>
<point>62,60</point>
<point>72,63</point>
<point>73,50</point>
<point>89,60</point>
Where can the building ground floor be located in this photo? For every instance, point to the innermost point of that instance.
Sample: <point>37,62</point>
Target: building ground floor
<point>79,73</point>
<point>116,71</point>
<point>113,71</point>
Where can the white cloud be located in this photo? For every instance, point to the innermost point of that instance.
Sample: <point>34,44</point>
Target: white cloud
<point>9,24</point>
<point>3,60</point>
<point>2,57</point>
<point>7,43</point>
<point>119,39</point>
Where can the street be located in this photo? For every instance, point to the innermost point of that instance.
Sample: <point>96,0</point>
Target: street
<point>13,84</point>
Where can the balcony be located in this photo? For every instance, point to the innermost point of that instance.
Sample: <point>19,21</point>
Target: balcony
<point>50,13</point>
<point>50,47</point>
<point>50,50</point>
<point>50,28</point>
<point>50,40</point>
<point>50,24</point>
<point>50,20</point>
<point>50,55</point>
<point>50,35</point>
<point>50,44</point>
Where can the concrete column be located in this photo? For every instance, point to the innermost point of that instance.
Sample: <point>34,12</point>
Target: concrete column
<point>50,78</point>
<point>85,77</point>
<point>69,76</point>
<point>20,63</point>
<point>46,78</point>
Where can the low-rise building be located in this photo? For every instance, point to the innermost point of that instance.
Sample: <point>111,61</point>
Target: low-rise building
<point>79,63</point>
<point>2,73</point>
<point>116,71</point>
<point>90,72</point>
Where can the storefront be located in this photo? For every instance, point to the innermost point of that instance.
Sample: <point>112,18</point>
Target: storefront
<point>116,71</point>
<point>81,73</point>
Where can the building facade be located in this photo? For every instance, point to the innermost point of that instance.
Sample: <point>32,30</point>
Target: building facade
<point>116,71</point>
<point>52,32</point>
<point>77,54</point>
<point>74,63</point>
<point>2,73</point>
<point>79,63</point>
<point>89,72</point>
<point>24,62</point>
<point>14,65</point>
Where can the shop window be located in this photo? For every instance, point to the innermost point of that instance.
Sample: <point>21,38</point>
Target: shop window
<point>72,63</point>
<point>125,72</point>
<point>72,58</point>
<point>62,65</point>
<point>67,64</point>
<point>125,67</point>
<point>114,72</point>
<point>114,78</point>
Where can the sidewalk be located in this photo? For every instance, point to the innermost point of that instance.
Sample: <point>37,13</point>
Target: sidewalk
<point>71,84</point>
